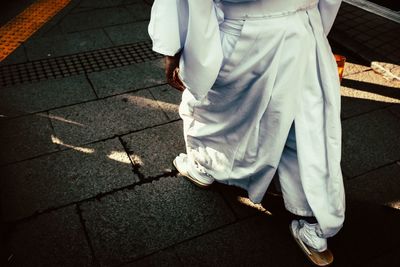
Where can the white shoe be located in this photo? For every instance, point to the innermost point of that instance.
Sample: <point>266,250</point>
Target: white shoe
<point>314,247</point>
<point>181,164</point>
<point>307,233</point>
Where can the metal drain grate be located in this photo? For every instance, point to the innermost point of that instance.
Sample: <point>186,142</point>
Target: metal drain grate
<point>86,62</point>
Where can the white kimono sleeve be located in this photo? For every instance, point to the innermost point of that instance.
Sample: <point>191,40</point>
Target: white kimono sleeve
<point>328,10</point>
<point>168,26</point>
<point>190,25</point>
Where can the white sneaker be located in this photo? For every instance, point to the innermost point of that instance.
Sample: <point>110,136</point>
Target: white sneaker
<point>306,233</point>
<point>181,164</point>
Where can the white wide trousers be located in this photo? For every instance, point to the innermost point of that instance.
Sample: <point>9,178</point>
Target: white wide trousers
<point>275,106</point>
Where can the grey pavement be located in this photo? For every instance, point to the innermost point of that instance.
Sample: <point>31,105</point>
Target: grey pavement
<point>85,159</point>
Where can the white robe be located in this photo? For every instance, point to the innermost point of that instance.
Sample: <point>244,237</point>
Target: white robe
<point>263,96</point>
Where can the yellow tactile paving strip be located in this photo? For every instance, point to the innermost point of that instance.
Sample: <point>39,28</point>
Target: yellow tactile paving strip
<point>27,23</point>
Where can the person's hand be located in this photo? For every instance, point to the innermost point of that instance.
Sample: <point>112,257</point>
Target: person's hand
<point>172,72</point>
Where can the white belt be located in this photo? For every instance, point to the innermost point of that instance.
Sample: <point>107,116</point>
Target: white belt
<point>265,8</point>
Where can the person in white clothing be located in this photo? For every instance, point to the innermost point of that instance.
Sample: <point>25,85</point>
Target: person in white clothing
<point>260,96</point>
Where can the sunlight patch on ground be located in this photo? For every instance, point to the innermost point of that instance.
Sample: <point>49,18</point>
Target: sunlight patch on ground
<point>247,202</point>
<point>354,93</point>
<point>394,204</point>
<point>151,103</point>
<point>119,156</point>
<point>58,118</point>
<point>57,141</point>
<point>137,160</point>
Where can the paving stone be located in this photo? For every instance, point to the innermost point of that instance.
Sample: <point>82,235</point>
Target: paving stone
<point>169,99</point>
<point>64,177</point>
<point>140,11</point>
<point>238,200</point>
<point>370,141</point>
<point>100,3</point>
<point>153,150</point>
<point>66,44</point>
<point>133,223</point>
<point>128,33</point>
<point>395,109</point>
<point>41,96</point>
<point>88,122</point>
<point>381,186</point>
<point>80,9</point>
<point>96,19</point>
<point>354,105</point>
<point>18,56</point>
<point>265,241</point>
<point>92,4</point>
<point>128,78</point>
<point>258,241</point>
<point>353,68</point>
<point>54,22</point>
<point>372,77</point>
<point>366,228</point>
<point>25,137</point>
<point>367,91</point>
<point>52,239</point>
<point>164,258</point>
<point>388,259</point>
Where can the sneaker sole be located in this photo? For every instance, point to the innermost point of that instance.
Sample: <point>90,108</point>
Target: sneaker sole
<point>324,258</point>
<point>191,179</point>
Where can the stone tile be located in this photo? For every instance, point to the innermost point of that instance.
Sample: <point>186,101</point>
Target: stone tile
<point>44,95</point>
<point>100,3</point>
<point>64,177</point>
<point>88,122</point>
<point>52,239</point>
<point>18,56</point>
<point>258,241</point>
<point>48,30</point>
<point>238,200</point>
<point>165,258</point>
<point>390,258</point>
<point>153,150</point>
<point>367,91</point>
<point>139,11</point>
<point>381,186</point>
<point>133,223</point>
<point>353,68</point>
<point>128,33</point>
<point>80,9</point>
<point>370,141</point>
<point>169,99</point>
<point>374,78</point>
<point>353,105</point>
<point>128,78</point>
<point>366,228</point>
<point>66,44</point>
<point>54,22</point>
<point>25,137</point>
<point>395,109</point>
<point>96,19</point>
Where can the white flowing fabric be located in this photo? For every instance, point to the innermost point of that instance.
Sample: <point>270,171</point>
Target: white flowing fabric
<point>273,104</point>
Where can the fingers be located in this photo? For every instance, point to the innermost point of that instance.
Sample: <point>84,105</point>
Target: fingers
<point>172,72</point>
<point>174,80</point>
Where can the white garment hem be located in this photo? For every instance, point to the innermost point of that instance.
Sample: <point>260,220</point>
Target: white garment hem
<point>298,211</point>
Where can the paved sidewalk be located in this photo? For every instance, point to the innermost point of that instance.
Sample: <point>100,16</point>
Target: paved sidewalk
<point>88,131</point>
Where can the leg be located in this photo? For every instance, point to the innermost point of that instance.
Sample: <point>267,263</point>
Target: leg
<point>303,230</point>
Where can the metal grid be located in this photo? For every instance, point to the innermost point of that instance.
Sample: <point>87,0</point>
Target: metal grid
<point>69,65</point>
<point>27,23</point>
